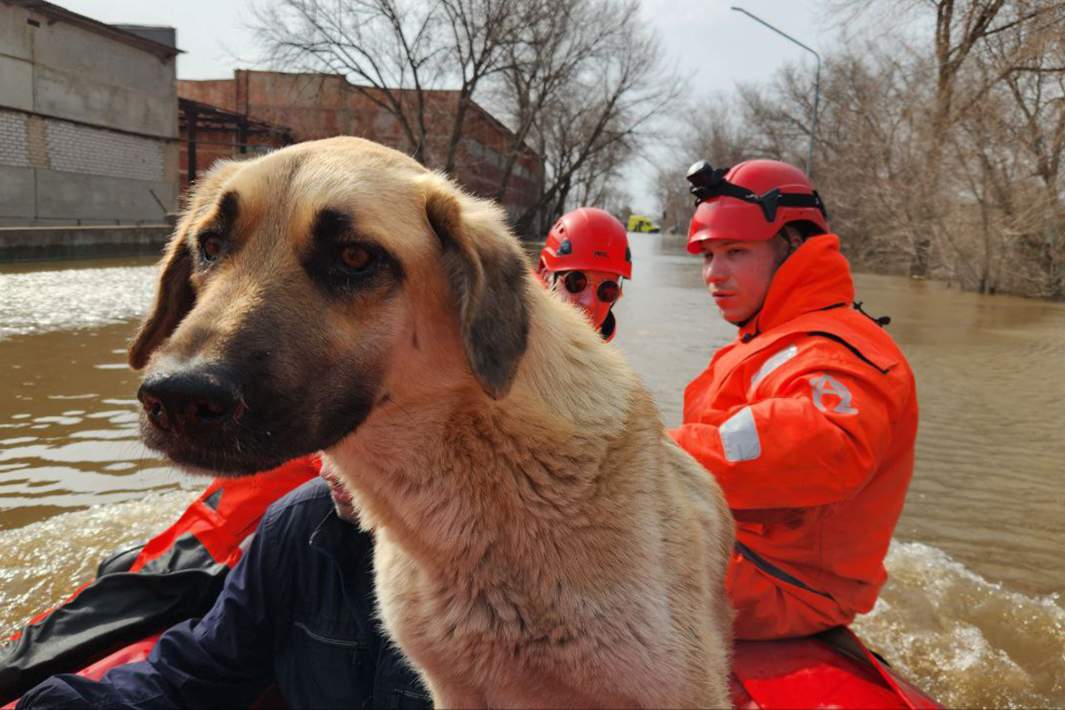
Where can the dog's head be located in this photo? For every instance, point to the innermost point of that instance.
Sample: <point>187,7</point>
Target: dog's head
<point>305,288</point>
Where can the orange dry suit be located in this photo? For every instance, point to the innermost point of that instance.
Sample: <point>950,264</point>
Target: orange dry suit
<point>807,421</point>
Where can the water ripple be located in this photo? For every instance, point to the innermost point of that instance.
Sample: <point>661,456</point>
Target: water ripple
<point>40,301</point>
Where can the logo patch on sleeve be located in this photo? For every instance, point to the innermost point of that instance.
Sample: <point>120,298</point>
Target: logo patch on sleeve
<point>828,392</point>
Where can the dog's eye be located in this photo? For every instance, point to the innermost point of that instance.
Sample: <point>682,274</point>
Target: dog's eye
<point>211,247</point>
<point>356,257</point>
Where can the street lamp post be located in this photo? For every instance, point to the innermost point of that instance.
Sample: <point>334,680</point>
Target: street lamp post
<point>817,84</point>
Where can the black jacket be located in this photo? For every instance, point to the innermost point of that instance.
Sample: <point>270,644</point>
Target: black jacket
<point>296,611</point>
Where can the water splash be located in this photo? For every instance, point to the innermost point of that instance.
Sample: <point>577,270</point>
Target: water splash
<point>42,563</point>
<point>969,642</point>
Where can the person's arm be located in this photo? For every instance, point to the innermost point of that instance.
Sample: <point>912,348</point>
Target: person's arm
<point>812,435</point>
<point>222,660</point>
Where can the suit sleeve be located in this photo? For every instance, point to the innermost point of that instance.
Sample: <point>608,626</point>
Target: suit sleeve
<point>222,660</point>
<point>812,434</point>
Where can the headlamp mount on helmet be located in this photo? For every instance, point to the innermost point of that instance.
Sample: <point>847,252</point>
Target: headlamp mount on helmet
<point>707,182</point>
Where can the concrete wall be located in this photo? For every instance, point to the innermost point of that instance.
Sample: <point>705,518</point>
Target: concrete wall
<point>60,172</point>
<point>88,124</point>
<point>16,57</point>
<point>35,243</point>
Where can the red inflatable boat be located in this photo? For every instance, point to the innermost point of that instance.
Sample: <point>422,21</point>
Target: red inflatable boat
<point>139,593</point>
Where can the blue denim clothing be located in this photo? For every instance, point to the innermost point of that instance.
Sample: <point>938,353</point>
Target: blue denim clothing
<point>297,610</point>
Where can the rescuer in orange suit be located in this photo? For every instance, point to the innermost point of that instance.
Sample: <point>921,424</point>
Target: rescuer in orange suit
<point>808,419</point>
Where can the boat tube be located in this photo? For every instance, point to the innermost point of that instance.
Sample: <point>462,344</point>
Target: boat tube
<point>140,592</point>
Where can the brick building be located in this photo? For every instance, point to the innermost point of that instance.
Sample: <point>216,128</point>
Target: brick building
<point>320,106</point>
<point>88,119</point>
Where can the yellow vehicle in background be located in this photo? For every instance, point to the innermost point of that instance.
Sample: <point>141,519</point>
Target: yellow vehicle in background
<point>639,223</point>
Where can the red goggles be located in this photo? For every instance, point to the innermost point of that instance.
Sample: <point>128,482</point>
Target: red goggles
<point>577,281</point>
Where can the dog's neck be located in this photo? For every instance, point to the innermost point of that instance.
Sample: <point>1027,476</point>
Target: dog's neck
<point>448,474</point>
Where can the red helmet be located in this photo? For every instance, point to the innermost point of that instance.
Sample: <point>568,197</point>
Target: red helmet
<point>751,202</point>
<point>587,238</point>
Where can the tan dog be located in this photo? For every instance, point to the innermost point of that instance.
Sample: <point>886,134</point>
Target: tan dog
<point>540,541</point>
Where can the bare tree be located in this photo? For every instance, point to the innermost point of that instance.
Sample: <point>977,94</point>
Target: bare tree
<point>396,53</point>
<point>598,110</point>
<point>938,158</point>
<point>867,144</point>
<point>983,49</point>
<point>710,130</point>
<point>480,32</point>
<point>959,28</point>
<point>1036,124</point>
<point>980,226</point>
<point>578,80</point>
<point>387,49</point>
<point>558,38</point>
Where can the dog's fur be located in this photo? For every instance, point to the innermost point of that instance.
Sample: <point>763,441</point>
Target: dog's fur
<point>540,541</point>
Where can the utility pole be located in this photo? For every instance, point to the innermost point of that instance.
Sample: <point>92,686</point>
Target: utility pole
<point>817,84</point>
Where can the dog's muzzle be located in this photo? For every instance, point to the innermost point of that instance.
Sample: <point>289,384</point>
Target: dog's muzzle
<point>192,403</point>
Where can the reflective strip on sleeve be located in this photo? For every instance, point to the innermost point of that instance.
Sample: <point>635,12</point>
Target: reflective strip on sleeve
<point>739,437</point>
<point>778,359</point>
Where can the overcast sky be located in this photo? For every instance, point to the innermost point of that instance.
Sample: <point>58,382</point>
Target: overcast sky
<point>712,47</point>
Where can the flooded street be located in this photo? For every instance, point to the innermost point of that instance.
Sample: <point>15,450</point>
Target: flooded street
<point>972,612</point>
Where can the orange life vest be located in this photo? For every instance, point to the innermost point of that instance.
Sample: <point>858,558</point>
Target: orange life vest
<point>807,420</point>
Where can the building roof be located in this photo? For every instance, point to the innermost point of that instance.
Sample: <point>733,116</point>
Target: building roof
<point>210,117</point>
<point>60,14</point>
<point>497,124</point>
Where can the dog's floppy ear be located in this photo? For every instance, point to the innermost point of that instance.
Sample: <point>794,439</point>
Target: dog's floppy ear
<point>488,274</point>
<point>175,296</point>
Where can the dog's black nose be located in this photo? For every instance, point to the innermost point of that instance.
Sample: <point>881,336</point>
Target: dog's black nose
<point>191,402</point>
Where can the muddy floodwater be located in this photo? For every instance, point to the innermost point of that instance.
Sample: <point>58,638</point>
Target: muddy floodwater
<point>973,611</point>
